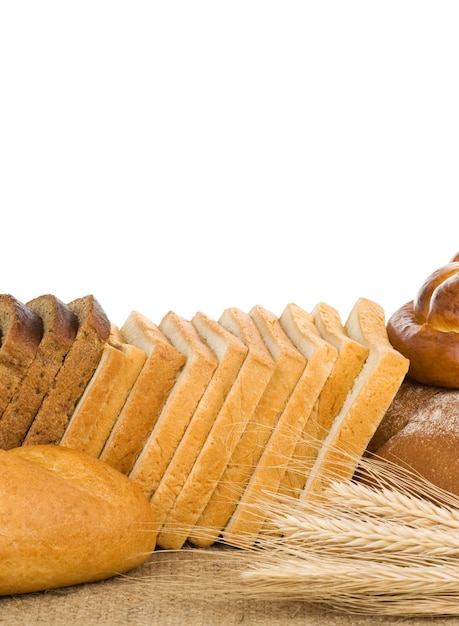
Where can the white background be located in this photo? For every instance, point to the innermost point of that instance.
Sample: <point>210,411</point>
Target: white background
<point>199,155</point>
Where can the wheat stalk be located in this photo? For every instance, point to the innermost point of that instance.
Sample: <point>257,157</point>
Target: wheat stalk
<point>357,585</point>
<point>371,546</point>
<point>391,503</point>
<point>379,549</point>
<point>360,533</point>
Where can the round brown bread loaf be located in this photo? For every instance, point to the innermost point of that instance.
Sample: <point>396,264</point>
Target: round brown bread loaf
<point>420,431</point>
<point>67,518</point>
<point>426,329</point>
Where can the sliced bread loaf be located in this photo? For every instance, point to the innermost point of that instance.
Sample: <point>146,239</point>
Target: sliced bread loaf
<point>182,402</point>
<point>249,517</point>
<point>230,352</point>
<point>237,409</point>
<point>105,395</point>
<point>371,395</point>
<point>351,356</point>
<point>289,363</point>
<point>74,375</point>
<point>322,356</point>
<point>148,395</point>
<point>60,326</point>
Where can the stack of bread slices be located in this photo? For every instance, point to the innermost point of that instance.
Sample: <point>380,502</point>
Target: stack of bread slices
<point>210,417</point>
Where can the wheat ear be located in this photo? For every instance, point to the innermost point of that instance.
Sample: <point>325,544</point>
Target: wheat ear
<point>391,504</point>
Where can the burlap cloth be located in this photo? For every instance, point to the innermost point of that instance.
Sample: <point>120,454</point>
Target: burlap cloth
<point>162,592</point>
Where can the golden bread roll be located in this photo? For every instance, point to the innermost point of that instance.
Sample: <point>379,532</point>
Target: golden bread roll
<point>67,518</point>
<point>426,329</point>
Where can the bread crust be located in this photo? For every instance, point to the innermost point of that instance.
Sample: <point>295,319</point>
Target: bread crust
<point>420,431</point>
<point>67,518</point>
<point>426,329</point>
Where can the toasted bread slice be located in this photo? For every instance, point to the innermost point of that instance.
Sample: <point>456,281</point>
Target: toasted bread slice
<point>104,397</point>
<point>60,326</point>
<point>148,395</point>
<point>371,395</point>
<point>351,356</point>
<point>249,518</point>
<point>74,375</point>
<point>236,411</point>
<point>230,352</point>
<point>21,330</point>
<point>289,365</point>
<point>181,404</point>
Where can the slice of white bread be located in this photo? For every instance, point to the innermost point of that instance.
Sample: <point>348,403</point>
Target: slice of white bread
<point>181,404</point>
<point>300,326</point>
<point>148,395</point>
<point>351,356</point>
<point>21,330</point>
<point>248,519</point>
<point>224,435</point>
<point>60,326</point>
<point>371,395</point>
<point>74,375</point>
<point>289,364</point>
<point>231,353</point>
<point>105,395</point>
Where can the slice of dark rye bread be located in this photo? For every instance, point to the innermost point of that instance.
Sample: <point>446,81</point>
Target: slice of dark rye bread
<point>21,331</point>
<point>60,326</point>
<point>75,373</point>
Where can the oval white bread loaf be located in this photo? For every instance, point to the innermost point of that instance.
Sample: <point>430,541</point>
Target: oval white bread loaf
<point>67,518</point>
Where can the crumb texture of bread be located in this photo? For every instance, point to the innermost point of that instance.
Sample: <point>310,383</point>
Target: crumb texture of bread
<point>60,326</point>
<point>182,402</point>
<point>230,353</point>
<point>365,406</point>
<point>288,367</point>
<point>21,330</point>
<point>240,463</point>
<point>322,356</point>
<point>223,437</point>
<point>277,458</point>
<point>104,397</point>
<point>350,357</point>
<point>75,373</point>
<point>66,519</point>
<point>148,395</point>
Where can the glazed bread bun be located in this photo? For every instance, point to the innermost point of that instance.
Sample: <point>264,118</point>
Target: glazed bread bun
<point>426,329</point>
<point>420,431</point>
<point>67,518</point>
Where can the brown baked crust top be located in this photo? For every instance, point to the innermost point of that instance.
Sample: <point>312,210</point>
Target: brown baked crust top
<point>426,329</point>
